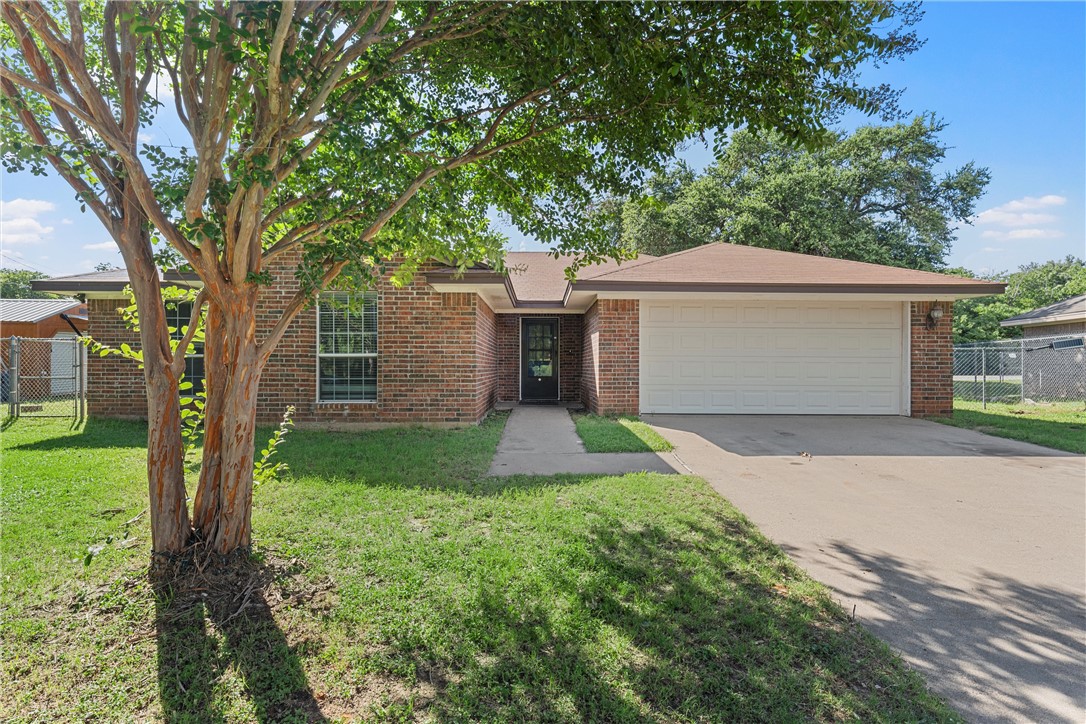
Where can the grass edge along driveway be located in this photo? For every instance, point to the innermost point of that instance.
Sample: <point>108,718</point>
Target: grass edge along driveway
<point>623,434</point>
<point>1058,425</point>
<point>398,583</point>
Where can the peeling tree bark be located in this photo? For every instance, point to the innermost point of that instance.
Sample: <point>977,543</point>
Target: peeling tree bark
<point>169,516</point>
<point>223,506</point>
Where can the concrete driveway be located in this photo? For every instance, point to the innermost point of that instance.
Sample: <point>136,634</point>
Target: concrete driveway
<point>965,552</point>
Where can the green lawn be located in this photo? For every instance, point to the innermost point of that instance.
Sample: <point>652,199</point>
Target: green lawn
<point>602,434</point>
<point>397,583</point>
<point>1060,425</point>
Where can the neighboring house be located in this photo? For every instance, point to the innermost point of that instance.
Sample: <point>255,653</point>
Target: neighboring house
<point>41,319</point>
<point>1063,317</point>
<point>1050,372</point>
<point>715,329</point>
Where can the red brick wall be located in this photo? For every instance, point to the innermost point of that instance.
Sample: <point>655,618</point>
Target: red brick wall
<point>610,368</point>
<point>932,361</point>
<point>426,359</point>
<point>115,386</point>
<point>570,330</point>
<point>436,360</point>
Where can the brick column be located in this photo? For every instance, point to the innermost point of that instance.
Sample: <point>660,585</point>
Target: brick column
<point>931,361</point>
<point>610,377</point>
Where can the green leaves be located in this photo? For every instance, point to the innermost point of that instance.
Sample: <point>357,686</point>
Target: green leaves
<point>870,196</point>
<point>1032,286</point>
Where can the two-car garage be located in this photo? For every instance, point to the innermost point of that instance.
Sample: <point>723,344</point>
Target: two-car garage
<point>773,357</point>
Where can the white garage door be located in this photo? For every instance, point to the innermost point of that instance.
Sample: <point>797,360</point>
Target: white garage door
<point>817,358</point>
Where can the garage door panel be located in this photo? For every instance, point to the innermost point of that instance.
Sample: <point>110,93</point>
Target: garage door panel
<point>724,314</point>
<point>691,341</point>
<point>772,357</point>
<point>755,314</point>
<point>659,313</point>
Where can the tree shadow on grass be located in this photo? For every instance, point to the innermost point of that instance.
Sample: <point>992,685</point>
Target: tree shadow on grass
<point>208,625</point>
<point>659,624</point>
<point>96,433</point>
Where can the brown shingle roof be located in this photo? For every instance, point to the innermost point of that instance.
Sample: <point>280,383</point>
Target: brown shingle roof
<point>537,276</point>
<point>725,267</point>
<point>1066,310</point>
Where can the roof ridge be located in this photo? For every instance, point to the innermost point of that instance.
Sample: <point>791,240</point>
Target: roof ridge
<point>649,259</point>
<point>777,251</point>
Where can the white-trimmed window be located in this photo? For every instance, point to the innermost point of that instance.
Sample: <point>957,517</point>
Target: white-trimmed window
<point>347,347</point>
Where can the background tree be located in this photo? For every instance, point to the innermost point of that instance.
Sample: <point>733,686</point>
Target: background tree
<point>15,284</point>
<point>1033,285</point>
<point>873,195</point>
<point>361,133</point>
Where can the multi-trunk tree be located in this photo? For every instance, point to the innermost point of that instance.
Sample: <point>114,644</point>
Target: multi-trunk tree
<point>362,132</point>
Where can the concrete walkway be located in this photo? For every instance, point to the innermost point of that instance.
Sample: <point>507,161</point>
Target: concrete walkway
<point>542,440</point>
<point>964,552</point>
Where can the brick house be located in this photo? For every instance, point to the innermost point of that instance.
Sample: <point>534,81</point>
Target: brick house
<point>716,329</point>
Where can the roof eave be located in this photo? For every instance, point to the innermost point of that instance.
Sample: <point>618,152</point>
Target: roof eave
<point>62,286</point>
<point>1042,321</point>
<point>957,291</point>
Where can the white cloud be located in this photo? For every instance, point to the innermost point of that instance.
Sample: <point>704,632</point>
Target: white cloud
<point>19,223</point>
<point>991,250</point>
<point>1034,234</point>
<point>145,137</point>
<point>1013,218</point>
<point>1027,203</point>
<point>1026,211</point>
<point>24,208</point>
<point>66,222</point>
<point>23,230</point>
<point>104,246</point>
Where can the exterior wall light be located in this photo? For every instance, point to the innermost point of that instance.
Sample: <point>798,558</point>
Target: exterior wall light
<point>934,315</point>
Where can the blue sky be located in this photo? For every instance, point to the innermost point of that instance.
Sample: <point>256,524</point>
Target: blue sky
<point>1009,78</point>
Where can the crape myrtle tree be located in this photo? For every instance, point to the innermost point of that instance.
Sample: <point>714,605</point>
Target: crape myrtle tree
<point>872,195</point>
<point>360,133</point>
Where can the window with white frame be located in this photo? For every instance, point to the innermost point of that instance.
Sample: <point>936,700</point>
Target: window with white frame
<point>177,318</point>
<point>347,347</point>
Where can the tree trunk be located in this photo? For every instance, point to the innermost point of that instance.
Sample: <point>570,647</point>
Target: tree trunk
<point>224,499</point>
<point>168,508</point>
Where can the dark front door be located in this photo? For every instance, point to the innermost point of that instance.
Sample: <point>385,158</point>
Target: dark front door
<point>539,359</point>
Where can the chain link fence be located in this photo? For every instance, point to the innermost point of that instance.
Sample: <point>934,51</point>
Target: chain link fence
<point>43,377</point>
<point>1037,369</point>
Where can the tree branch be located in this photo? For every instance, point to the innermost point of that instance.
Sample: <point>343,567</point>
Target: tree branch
<point>177,364</point>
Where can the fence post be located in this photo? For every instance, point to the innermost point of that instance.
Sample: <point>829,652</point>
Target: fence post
<point>13,385</point>
<point>76,374</point>
<point>1022,371</point>
<point>983,378</point>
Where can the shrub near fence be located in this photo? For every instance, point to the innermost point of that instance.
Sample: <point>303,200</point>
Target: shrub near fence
<point>1039,369</point>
